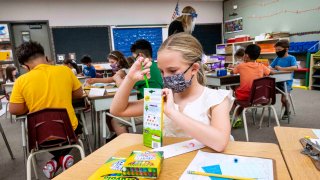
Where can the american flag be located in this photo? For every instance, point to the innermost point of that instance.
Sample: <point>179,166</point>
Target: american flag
<point>175,12</point>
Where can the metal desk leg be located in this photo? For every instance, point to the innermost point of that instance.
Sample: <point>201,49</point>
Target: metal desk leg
<point>5,140</point>
<point>92,118</point>
<point>287,98</point>
<point>98,129</point>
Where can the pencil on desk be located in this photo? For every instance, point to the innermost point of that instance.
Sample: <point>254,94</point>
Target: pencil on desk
<point>219,175</point>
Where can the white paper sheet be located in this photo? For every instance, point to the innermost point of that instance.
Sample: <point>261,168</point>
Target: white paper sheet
<point>253,167</point>
<point>316,132</point>
<point>180,148</point>
<point>96,92</point>
<point>112,90</point>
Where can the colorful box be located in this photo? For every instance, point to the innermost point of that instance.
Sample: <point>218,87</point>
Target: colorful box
<point>143,164</point>
<point>152,117</point>
<point>111,168</point>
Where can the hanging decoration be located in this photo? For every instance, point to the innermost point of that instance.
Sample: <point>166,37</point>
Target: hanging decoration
<point>286,11</point>
<point>261,4</point>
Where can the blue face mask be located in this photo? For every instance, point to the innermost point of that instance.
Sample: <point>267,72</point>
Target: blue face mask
<point>177,82</point>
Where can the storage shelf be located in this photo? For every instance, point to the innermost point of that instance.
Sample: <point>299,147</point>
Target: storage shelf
<point>316,76</point>
<point>227,54</point>
<point>267,53</point>
<point>315,85</point>
<point>5,42</point>
<point>6,62</point>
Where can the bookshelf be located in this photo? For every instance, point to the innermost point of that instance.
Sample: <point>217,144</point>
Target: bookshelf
<point>314,78</point>
<point>228,49</point>
<point>6,53</point>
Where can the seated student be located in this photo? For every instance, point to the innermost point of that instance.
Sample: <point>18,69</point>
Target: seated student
<point>45,86</point>
<point>72,65</point>
<point>284,62</point>
<point>11,73</point>
<point>238,56</point>
<point>139,48</point>
<point>88,69</point>
<point>191,109</point>
<point>249,71</point>
<point>118,63</point>
<point>130,60</point>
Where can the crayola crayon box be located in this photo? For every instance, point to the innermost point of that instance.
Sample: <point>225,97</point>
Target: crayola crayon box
<point>152,118</point>
<point>111,168</point>
<point>143,164</point>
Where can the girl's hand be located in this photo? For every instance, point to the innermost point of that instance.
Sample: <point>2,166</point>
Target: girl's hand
<point>91,81</point>
<point>136,73</point>
<point>168,101</point>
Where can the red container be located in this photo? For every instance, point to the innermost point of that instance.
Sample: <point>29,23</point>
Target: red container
<point>242,39</point>
<point>231,40</point>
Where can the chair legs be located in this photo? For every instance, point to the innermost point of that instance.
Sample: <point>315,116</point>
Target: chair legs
<point>234,114</point>
<point>292,104</point>
<point>245,123</point>
<point>86,133</point>
<point>6,141</point>
<point>275,116</point>
<point>31,158</point>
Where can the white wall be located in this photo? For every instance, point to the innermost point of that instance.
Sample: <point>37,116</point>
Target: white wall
<point>105,12</point>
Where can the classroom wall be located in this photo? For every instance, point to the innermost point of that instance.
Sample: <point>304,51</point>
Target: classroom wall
<point>284,21</point>
<point>105,12</point>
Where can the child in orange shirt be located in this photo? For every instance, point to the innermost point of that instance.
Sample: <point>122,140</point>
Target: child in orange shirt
<point>249,71</point>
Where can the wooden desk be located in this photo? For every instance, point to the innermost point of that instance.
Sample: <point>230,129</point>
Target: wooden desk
<point>300,166</point>
<point>99,106</point>
<point>173,167</point>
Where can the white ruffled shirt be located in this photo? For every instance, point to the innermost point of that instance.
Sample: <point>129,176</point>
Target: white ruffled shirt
<point>198,110</point>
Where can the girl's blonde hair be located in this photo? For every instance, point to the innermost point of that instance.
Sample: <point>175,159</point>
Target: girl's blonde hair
<point>189,47</point>
<point>187,19</point>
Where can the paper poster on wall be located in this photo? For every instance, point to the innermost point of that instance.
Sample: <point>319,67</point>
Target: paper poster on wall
<point>4,32</point>
<point>233,25</point>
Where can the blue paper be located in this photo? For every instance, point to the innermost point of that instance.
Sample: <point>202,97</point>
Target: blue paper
<point>215,169</point>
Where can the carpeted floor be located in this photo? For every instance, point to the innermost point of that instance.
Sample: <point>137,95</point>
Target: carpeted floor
<point>306,103</point>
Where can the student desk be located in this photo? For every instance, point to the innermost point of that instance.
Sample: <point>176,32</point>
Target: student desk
<point>8,87</point>
<point>99,106</point>
<point>231,80</point>
<point>82,79</point>
<point>300,166</point>
<point>173,167</point>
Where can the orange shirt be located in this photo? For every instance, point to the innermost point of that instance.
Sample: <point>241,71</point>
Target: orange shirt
<point>248,71</point>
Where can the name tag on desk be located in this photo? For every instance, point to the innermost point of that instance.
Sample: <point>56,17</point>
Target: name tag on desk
<point>96,92</point>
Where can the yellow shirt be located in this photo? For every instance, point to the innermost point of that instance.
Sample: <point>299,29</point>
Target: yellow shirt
<point>47,86</point>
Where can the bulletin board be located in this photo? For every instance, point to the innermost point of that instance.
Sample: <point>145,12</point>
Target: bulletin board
<point>92,40</point>
<point>124,36</point>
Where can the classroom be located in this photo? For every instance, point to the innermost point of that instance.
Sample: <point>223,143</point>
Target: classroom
<point>159,89</point>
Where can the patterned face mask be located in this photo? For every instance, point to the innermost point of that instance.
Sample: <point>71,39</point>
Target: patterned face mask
<point>177,82</point>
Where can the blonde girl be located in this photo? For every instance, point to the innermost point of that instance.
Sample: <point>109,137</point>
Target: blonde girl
<point>191,109</point>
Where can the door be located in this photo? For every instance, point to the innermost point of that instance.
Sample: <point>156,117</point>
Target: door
<point>35,31</point>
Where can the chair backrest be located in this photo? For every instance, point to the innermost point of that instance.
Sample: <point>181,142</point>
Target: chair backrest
<point>49,128</point>
<point>263,91</point>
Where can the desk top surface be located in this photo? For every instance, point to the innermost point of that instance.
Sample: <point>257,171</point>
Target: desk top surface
<point>173,167</point>
<point>213,75</point>
<point>299,165</point>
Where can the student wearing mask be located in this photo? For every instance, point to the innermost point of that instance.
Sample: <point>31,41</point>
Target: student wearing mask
<point>191,110</point>
<point>11,73</point>
<point>72,65</point>
<point>284,62</point>
<point>185,22</point>
<point>118,63</point>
